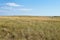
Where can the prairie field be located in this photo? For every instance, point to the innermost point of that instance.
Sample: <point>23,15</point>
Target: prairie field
<point>29,28</point>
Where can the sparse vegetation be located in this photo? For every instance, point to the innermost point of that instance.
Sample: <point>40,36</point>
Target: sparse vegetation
<point>29,28</point>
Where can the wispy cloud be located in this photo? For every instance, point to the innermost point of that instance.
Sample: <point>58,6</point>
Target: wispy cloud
<point>3,11</point>
<point>14,7</point>
<point>25,9</point>
<point>13,4</point>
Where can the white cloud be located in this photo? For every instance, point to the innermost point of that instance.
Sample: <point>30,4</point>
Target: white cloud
<point>13,4</point>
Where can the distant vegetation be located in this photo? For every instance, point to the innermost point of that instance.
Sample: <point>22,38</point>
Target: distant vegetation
<point>29,28</point>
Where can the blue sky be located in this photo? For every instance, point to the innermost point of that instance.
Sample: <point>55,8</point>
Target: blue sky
<point>30,7</point>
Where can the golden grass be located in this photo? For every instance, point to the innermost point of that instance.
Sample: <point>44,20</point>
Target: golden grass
<point>29,28</point>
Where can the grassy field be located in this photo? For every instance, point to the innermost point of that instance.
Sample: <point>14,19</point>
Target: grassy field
<point>29,28</point>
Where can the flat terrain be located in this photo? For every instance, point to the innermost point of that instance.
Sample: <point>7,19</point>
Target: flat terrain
<point>29,28</point>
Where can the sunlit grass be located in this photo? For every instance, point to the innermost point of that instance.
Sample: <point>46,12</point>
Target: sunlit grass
<point>29,28</point>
